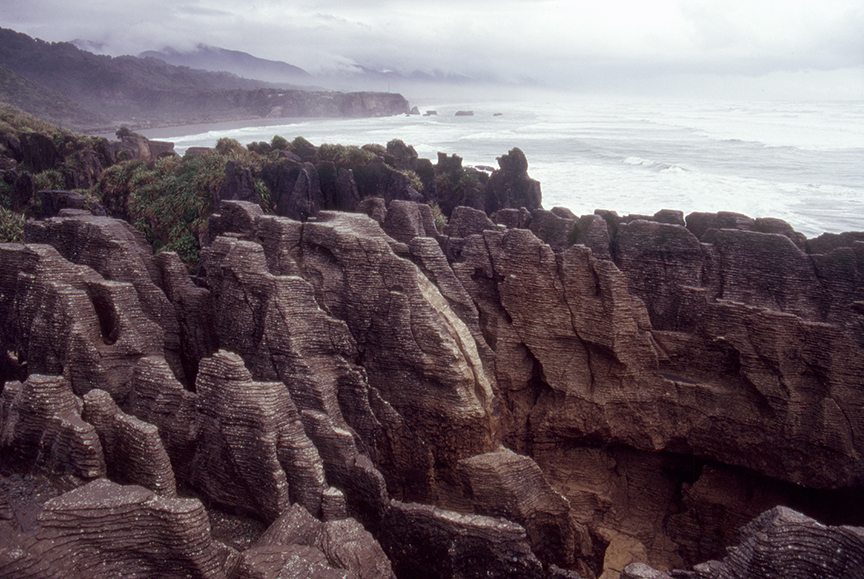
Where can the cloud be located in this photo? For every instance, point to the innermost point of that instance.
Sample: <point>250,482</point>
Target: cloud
<point>566,42</point>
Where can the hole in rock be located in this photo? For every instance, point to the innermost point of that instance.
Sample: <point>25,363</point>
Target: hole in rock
<point>108,322</point>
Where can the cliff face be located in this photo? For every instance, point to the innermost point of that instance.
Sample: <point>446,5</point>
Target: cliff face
<point>387,400</point>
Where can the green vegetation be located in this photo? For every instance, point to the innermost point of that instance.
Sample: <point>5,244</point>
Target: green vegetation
<point>11,226</point>
<point>168,199</point>
<point>438,215</point>
<point>350,156</point>
<point>14,121</point>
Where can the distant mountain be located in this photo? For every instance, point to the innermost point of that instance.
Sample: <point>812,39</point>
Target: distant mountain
<point>242,64</point>
<point>357,77</point>
<point>142,92</point>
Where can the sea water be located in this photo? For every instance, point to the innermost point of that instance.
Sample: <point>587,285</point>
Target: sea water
<point>801,162</point>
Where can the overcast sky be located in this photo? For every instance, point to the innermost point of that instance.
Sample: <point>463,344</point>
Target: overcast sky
<point>806,48</point>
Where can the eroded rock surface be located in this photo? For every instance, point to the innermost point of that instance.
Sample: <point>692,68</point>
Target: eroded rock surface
<point>779,543</point>
<point>543,395</point>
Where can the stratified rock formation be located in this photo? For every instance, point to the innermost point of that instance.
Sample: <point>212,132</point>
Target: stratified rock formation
<point>537,394</point>
<point>779,543</point>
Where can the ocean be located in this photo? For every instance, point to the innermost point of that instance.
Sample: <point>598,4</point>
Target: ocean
<point>801,162</point>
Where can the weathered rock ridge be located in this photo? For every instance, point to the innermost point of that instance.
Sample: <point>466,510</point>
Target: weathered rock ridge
<point>538,395</point>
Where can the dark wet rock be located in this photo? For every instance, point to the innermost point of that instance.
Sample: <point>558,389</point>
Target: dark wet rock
<point>374,207</point>
<point>592,232</point>
<point>240,218</point>
<point>772,225</point>
<point>380,180</point>
<point>295,188</point>
<point>513,218</point>
<point>338,186</point>
<point>192,310</point>
<point>137,147</point>
<point>664,265</point>
<point>828,242</point>
<point>767,270</point>
<point>239,184</point>
<point>669,216</point>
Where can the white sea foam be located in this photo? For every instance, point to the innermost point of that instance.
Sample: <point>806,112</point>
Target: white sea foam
<point>802,162</point>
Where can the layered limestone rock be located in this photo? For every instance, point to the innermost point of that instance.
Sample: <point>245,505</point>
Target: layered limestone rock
<point>133,451</point>
<point>119,254</point>
<point>125,531</point>
<point>298,545</point>
<point>425,542</point>
<point>41,427</point>
<point>779,543</point>
<point>61,318</point>
<point>637,395</point>
<point>416,352</point>
<point>238,441</point>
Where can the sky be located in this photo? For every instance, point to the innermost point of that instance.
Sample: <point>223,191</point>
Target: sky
<point>749,48</point>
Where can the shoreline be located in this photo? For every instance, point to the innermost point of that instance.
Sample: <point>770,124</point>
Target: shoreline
<point>175,131</point>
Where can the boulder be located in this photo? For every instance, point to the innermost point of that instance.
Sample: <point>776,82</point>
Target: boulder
<point>505,484</point>
<point>424,542</point>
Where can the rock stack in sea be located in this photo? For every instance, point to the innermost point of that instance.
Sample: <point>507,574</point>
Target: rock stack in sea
<point>523,393</point>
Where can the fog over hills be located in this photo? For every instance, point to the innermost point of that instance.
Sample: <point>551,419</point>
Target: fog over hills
<point>101,91</point>
<point>242,64</point>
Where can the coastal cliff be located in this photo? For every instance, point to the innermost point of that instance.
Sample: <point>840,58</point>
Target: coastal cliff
<point>344,388</point>
<point>81,90</point>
